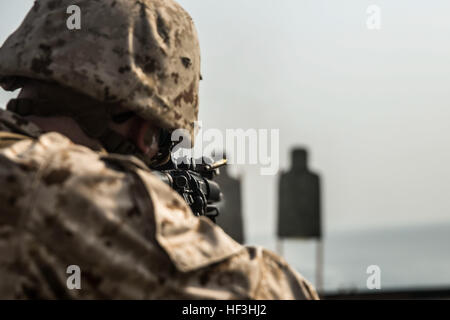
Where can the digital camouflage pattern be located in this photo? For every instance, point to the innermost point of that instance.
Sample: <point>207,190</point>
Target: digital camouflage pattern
<point>132,236</point>
<point>143,54</point>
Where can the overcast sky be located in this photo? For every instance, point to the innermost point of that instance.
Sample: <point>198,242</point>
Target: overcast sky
<point>373,107</point>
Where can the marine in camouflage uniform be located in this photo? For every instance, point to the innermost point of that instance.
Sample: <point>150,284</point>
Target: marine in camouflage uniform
<point>65,204</point>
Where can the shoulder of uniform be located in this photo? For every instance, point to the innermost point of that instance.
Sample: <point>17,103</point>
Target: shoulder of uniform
<point>46,151</point>
<point>52,168</point>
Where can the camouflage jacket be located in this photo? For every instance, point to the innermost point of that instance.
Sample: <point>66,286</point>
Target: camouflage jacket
<point>132,237</point>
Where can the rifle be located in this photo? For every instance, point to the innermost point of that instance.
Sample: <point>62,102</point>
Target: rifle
<point>194,182</point>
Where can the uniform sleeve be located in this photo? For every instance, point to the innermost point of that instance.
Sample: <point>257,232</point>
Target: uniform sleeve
<point>279,281</point>
<point>252,274</point>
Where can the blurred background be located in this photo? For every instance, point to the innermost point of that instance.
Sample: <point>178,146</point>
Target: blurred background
<point>372,107</point>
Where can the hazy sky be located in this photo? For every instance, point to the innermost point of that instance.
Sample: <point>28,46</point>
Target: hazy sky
<point>373,107</point>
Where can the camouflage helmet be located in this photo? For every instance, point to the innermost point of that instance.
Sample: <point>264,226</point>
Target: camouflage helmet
<point>142,54</point>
